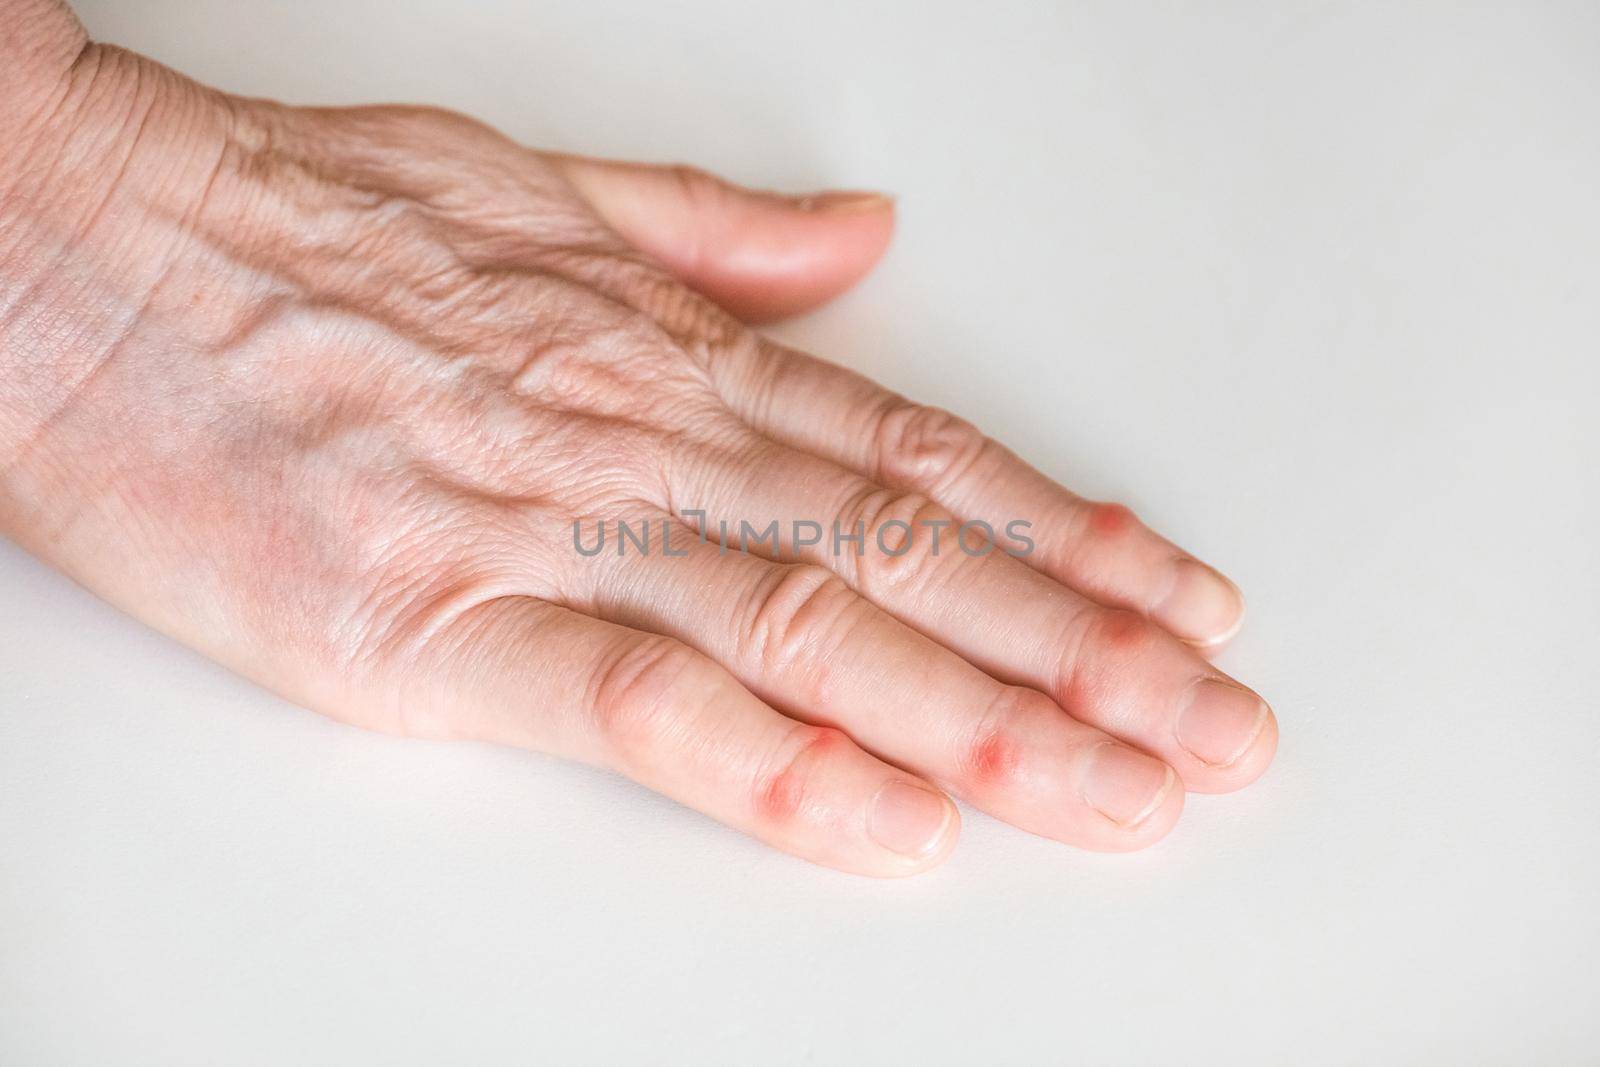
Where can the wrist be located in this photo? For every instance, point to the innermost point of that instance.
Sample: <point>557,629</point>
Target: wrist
<point>111,163</point>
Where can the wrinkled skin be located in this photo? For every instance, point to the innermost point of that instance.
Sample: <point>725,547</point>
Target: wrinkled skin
<point>321,393</point>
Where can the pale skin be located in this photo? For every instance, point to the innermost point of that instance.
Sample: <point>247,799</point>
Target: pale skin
<point>321,393</point>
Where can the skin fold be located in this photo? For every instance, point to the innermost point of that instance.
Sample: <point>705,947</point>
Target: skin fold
<point>322,393</point>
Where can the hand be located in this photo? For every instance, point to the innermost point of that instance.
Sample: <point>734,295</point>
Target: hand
<point>323,394</point>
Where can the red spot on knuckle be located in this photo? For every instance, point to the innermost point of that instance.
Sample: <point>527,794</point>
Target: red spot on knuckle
<point>1102,646</point>
<point>1108,520</point>
<point>993,753</point>
<point>782,793</point>
<point>1124,631</point>
<point>992,759</point>
<point>778,801</point>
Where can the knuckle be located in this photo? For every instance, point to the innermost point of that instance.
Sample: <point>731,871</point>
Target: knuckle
<point>991,750</point>
<point>697,186</point>
<point>595,350</point>
<point>895,547</point>
<point>1117,633</point>
<point>642,689</point>
<point>1100,643</point>
<point>1092,527</point>
<point>925,446</point>
<point>800,618</point>
<point>787,783</point>
<point>1107,519</point>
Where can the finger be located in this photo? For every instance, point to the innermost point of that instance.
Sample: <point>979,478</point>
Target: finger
<point>1099,549</point>
<point>525,672</point>
<point>1112,669</point>
<point>760,255</point>
<point>799,637</point>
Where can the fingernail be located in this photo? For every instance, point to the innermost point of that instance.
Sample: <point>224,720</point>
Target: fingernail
<point>909,819</point>
<point>843,201</point>
<point>1200,605</point>
<point>1221,722</point>
<point>1126,786</point>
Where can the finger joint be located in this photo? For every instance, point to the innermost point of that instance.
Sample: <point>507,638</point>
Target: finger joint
<point>926,447</point>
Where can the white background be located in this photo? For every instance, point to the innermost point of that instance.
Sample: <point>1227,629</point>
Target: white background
<point>1315,288</point>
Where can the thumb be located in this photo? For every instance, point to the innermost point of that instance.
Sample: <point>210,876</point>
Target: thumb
<point>760,255</point>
